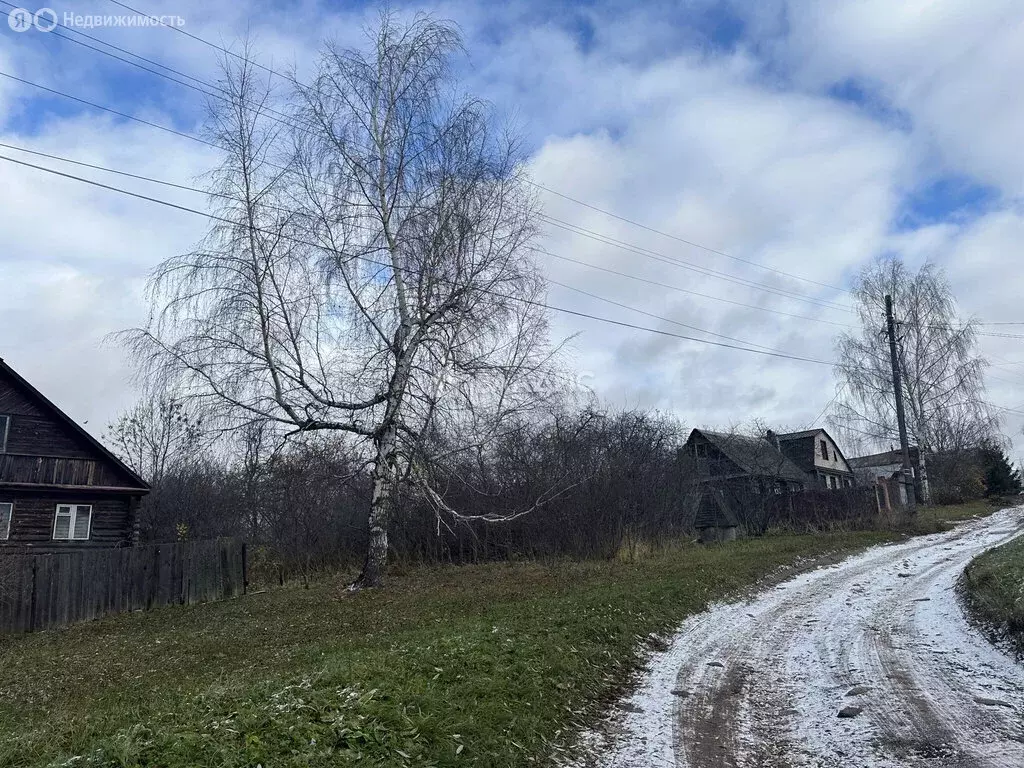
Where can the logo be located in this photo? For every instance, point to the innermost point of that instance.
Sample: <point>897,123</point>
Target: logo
<point>45,19</point>
<point>20,20</point>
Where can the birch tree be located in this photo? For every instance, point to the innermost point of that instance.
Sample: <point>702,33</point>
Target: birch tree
<point>940,364</point>
<point>370,270</point>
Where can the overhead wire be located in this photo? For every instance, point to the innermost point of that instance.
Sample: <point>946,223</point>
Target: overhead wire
<point>566,225</point>
<point>552,307</point>
<point>291,121</point>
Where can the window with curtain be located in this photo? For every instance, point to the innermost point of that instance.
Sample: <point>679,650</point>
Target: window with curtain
<point>72,522</point>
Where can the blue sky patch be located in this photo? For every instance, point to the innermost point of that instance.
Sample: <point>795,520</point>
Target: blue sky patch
<point>946,198</point>
<point>870,100</point>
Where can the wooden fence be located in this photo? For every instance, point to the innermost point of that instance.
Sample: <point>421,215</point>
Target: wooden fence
<point>51,590</point>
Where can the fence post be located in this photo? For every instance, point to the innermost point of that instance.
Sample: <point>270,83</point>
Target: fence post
<point>245,568</point>
<point>32,599</point>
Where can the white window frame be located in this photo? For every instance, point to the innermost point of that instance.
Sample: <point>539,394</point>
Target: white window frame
<point>5,530</point>
<point>5,428</point>
<point>72,522</point>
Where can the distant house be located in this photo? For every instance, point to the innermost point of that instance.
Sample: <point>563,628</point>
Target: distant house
<point>743,480</point>
<point>886,469</point>
<point>780,462</point>
<point>885,465</point>
<point>59,487</point>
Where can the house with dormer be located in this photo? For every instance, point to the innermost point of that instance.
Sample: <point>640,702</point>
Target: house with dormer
<point>817,455</point>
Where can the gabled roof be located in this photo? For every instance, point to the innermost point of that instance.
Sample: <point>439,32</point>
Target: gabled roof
<point>805,433</point>
<point>882,459</point>
<point>801,434</point>
<point>48,405</point>
<point>754,455</point>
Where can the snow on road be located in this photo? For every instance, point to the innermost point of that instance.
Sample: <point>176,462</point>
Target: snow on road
<point>882,635</point>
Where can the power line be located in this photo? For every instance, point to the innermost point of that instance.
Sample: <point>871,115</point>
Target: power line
<point>666,319</point>
<point>546,305</point>
<point>684,240</point>
<point>58,34</point>
<point>574,228</point>
<point>197,38</point>
<point>125,115</point>
<point>658,256</point>
<point>671,287</point>
<point>565,225</point>
<point>184,187</point>
<point>1018,382</point>
<point>828,405</point>
<point>691,243</point>
<point>557,222</point>
<point>289,120</point>
<point>555,308</point>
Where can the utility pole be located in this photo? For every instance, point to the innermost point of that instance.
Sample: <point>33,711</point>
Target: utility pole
<point>901,419</point>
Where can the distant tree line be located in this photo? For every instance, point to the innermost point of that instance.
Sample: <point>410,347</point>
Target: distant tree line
<point>581,481</point>
<point>973,473</point>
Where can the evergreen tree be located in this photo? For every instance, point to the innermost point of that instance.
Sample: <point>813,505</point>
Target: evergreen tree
<point>1001,477</point>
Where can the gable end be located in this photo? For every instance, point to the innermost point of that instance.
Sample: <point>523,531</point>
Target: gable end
<point>45,447</point>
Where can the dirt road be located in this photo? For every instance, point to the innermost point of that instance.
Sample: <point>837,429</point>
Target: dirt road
<point>881,636</point>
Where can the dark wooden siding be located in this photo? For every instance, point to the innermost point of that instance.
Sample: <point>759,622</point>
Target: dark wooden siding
<point>35,431</point>
<point>55,470</point>
<point>42,437</point>
<point>32,520</point>
<point>801,451</point>
<point>713,463</point>
<point>44,449</point>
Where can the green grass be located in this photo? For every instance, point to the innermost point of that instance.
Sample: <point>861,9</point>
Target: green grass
<point>935,519</point>
<point>492,665</point>
<point>993,589</point>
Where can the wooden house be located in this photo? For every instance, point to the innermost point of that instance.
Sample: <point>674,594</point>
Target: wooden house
<point>735,478</point>
<point>816,454</point>
<point>731,459</point>
<point>60,488</point>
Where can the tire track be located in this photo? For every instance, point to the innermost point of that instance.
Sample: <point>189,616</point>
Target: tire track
<point>761,682</point>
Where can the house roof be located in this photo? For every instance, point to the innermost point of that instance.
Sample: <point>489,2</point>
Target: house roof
<point>805,433</point>
<point>800,435</point>
<point>48,405</point>
<point>883,459</point>
<point>755,456</point>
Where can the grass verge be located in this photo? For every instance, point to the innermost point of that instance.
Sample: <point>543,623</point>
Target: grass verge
<point>936,519</point>
<point>992,587</point>
<point>491,665</point>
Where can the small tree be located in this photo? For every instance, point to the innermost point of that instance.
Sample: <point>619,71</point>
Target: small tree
<point>156,435</point>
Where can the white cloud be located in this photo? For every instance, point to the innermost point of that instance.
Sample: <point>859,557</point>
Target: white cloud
<point>640,121</point>
<point>952,66</point>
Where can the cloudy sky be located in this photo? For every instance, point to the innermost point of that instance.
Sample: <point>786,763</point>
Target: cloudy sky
<point>772,144</point>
